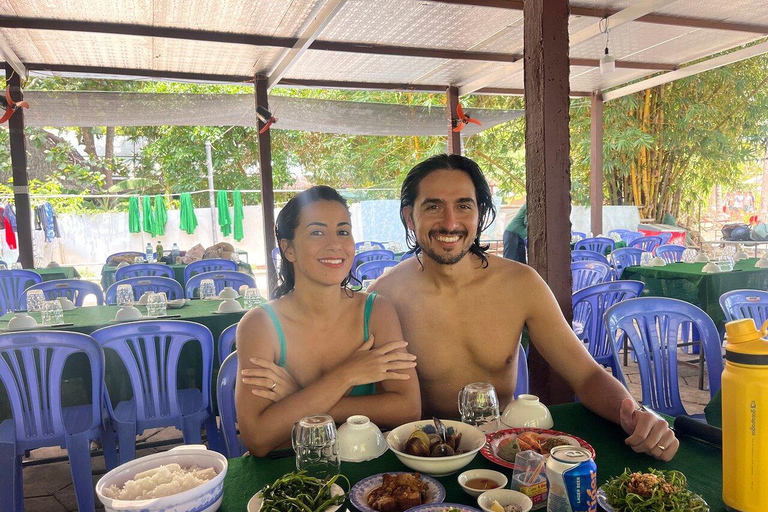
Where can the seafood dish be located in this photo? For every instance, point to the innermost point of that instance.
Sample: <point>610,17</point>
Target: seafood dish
<point>433,441</point>
<point>398,492</point>
<point>509,448</point>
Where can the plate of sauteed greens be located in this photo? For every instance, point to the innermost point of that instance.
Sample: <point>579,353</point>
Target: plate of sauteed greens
<point>652,491</point>
<point>299,492</point>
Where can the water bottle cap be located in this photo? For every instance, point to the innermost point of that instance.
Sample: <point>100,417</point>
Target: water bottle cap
<point>742,331</point>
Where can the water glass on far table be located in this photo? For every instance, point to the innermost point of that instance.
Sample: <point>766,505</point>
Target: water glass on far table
<point>124,295</point>
<point>645,259</point>
<point>138,259</point>
<point>207,289</point>
<point>52,314</point>
<point>35,299</point>
<point>316,444</point>
<point>252,298</point>
<point>689,256</point>
<point>157,304</point>
<point>479,406</point>
<point>16,266</point>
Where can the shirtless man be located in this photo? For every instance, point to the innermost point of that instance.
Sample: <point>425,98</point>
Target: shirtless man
<point>462,311</point>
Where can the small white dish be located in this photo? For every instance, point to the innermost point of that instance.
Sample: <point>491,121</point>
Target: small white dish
<point>488,474</point>
<point>228,293</point>
<point>255,503</point>
<point>740,255</point>
<point>177,303</point>
<point>360,440</point>
<point>527,411</point>
<point>21,321</point>
<point>229,306</point>
<point>126,313</point>
<point>711,268</point>
<point>504,497</point>
<point>66,304</point>
<point>658,261</point>
<point>701,258</point>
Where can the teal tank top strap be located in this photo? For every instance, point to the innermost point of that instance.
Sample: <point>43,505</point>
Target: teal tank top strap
<point>279,330</point>
<point>367,315</point>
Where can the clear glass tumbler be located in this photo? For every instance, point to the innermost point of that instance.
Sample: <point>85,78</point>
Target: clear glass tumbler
<point>35,299</point>
<point>479,406</point>
<point>252,298</point>
<point>124,295</point>
<point>645,259</point>
<point>16,266</point>
<point>52,314</point>
<point>157,304</point>
<point>316,444</point>
<point>207,289</point>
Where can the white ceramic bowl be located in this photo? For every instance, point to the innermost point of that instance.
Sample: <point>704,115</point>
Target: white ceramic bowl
<point>144,298</point>
<point>128,313</point>
<point>177,303</point>
<point>360,440</point>
<point>658,261</point>
<point>466,476</point>
<point>762,263</point>
<point>472,439</point>
<point>66,304</point>
<point>527,411</point>
<point>203,498</point>
<point>229,306</point>
<point>701,258</point>
<point>504,497</point>
<point>712,268</point>
<point>228,293</point>
<point>21,321</point>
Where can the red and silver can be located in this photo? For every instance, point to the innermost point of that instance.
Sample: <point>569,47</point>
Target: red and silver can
<point>572,476</point>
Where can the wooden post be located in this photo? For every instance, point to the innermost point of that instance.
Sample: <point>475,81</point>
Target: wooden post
<point>548,179</point>
<point>267,189</point>
<point>454,138</point>
<point>20,178</point>
<point>596,164</point>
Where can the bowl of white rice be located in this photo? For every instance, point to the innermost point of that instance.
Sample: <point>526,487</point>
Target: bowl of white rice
<point>183,479</point>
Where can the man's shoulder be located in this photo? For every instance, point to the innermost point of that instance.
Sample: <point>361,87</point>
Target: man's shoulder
<point>506,269</point>
<point>388,284</point>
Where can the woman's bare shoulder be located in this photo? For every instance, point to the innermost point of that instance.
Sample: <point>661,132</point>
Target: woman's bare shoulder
<point>256,333</point>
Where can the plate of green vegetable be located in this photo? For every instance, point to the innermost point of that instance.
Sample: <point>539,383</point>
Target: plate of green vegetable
<point>299,492</point>
<point>653,491</point>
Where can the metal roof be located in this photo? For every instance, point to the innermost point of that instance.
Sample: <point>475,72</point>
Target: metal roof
<point>422,45</point>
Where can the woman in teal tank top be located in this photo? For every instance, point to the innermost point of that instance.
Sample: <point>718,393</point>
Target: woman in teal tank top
<point>319,347</point>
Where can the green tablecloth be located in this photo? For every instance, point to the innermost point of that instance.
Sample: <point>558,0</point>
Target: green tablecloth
<point>685,281</point>
<point>700,462</point>
<point>108,274</point>
<point>49,274</point>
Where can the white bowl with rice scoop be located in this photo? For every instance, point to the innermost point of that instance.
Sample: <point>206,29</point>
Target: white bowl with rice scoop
<point>183,479</point>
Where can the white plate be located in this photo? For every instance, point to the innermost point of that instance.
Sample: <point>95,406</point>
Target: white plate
<point>358,495</point>
<point>229,312</point>
<point>602,500</point>
<point>177,303</point>
<point>254,505</point>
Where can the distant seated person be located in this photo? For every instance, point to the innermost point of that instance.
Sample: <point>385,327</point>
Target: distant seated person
<point>515,234</point>
<point>319,347</point>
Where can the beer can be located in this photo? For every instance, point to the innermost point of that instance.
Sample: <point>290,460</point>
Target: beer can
<point>572,476</point>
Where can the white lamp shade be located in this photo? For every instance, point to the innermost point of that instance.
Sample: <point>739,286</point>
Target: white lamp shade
<point>607,64</point>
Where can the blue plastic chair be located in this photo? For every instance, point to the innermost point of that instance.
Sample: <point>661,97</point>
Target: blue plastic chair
<point>587,273</point>
<point>75,290</point>
<point>144,270</point>
<point>132,254</point>
<point>665,236</point>
<point>373,269</point>
<point>276,257</point>
<point>227,342</point>
<point>210,265</point>
<point>522,386</point>
<point>670,253</point>
<point>738,304</point>
<point>627,235</point>
<point>31,365</point>
<point>589,306</point>
<point>140,285</point>
<point>150,351</point>
<point>225,398</point>
<point>585,255</point>
<point>579,234</point>
<point>12,286</point>
<point>598,244</point>
<point>374,255</point>
<point>625,257</point>
<point>646,243</point>
<point>221,279</point>
<point>654,326</point>
<point>371,245</point>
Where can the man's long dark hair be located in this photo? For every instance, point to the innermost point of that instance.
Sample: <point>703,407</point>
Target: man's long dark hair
<point>285,229</point>
<point>486,210</point>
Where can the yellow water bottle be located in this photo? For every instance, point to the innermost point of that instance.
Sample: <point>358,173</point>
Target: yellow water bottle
<point>745,417</point>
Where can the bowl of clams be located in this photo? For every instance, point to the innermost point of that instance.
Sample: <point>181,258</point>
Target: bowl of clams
<point>437,447</point>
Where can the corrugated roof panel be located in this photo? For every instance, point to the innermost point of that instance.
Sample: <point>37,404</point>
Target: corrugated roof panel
<point>456,72</point>
<point>736,11</point>
<point>116,11</point>
<point>196,57</point>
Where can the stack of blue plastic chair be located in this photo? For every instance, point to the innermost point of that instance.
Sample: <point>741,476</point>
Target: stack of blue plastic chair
<point>226,342</point>
<point>665,236</point>
<point>225,398</point>
<point>522,386</point>
<point>374,255</point>
<point>12,286</point>
<point>587,273</point>
<point>31,366</point>
<point>598,244</point>
<point>654,326</point>
<point>738,304</point>
<point>579,234</point>
<point>150,351</point>
<point>627,235</point>
<point>373,269</point>
<point>589,306</point>
<point>141,285</point>
<point>209,265</point>
<point>221,279</point>
<point>625,257</point>
<point>276,257</point>
<point>75,290</point>
<point>584,255</point>
<point>646,243</point>
<point>144,270</point>
<point>359,246</point>
<point>670,253</point>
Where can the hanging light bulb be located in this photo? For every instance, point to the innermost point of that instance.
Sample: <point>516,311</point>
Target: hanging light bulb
<point>607,62</point>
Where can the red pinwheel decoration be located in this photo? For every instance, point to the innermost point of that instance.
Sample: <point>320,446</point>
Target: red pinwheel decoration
<point>266,117</point>
<point>11,106</point>
<point>463,119</point>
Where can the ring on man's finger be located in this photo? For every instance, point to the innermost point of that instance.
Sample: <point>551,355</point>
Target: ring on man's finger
<point>661,447</point>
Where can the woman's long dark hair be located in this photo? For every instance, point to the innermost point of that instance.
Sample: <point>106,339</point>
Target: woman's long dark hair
<point>285,229</point>
<point>486,209</point>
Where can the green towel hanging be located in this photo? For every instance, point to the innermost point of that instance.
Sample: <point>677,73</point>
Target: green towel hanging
<point>161,216</point>
<point>149,217</point>
<point>222,205</point>
<point>237,202</point>
<point>134,217</point>
<point>188,219</point>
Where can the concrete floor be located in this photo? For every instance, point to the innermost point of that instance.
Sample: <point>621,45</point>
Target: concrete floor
<point>48,487</point>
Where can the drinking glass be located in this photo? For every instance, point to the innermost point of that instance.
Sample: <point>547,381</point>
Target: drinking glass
<point>252,298</point>
<point>124,295</point>
<point>52,314</point>
<point>16,265</point>
<point>316,444</point>
<point>689,256</point>
<point>157,304</point>
<point>645,259</point>
<point>35,299</point>
<point>207,289</point>
<point>138,259</point>
<point>235,257</point>
<point>479,406</point>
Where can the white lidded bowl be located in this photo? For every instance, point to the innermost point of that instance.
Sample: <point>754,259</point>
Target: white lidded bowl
<point>504,497</point>
<point>527,411</point>
<point>228,293</point>
<point>500,479</point>
<point>128,313</point>
<point>66,304</point>
<point>203,498</point>
<point>229,306</point>
<point>21,321</point>
<point>472,439</point>
<point>360,440</point>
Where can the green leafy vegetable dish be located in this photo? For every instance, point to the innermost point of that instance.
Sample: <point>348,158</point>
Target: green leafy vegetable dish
<point>654,491</point>
<point>298,492</point>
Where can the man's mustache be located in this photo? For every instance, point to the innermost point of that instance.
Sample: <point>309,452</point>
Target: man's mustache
<point>445,232</point>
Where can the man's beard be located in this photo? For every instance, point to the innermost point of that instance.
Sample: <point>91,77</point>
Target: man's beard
<point>445,259</point>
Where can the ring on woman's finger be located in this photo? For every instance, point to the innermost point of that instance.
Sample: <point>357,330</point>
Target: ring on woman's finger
<point>274,385</point>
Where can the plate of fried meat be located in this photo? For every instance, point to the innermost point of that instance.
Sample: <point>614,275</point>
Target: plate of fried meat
<point>395,492</point>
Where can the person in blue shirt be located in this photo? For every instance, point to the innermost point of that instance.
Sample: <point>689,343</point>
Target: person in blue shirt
<point>515,234</point>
